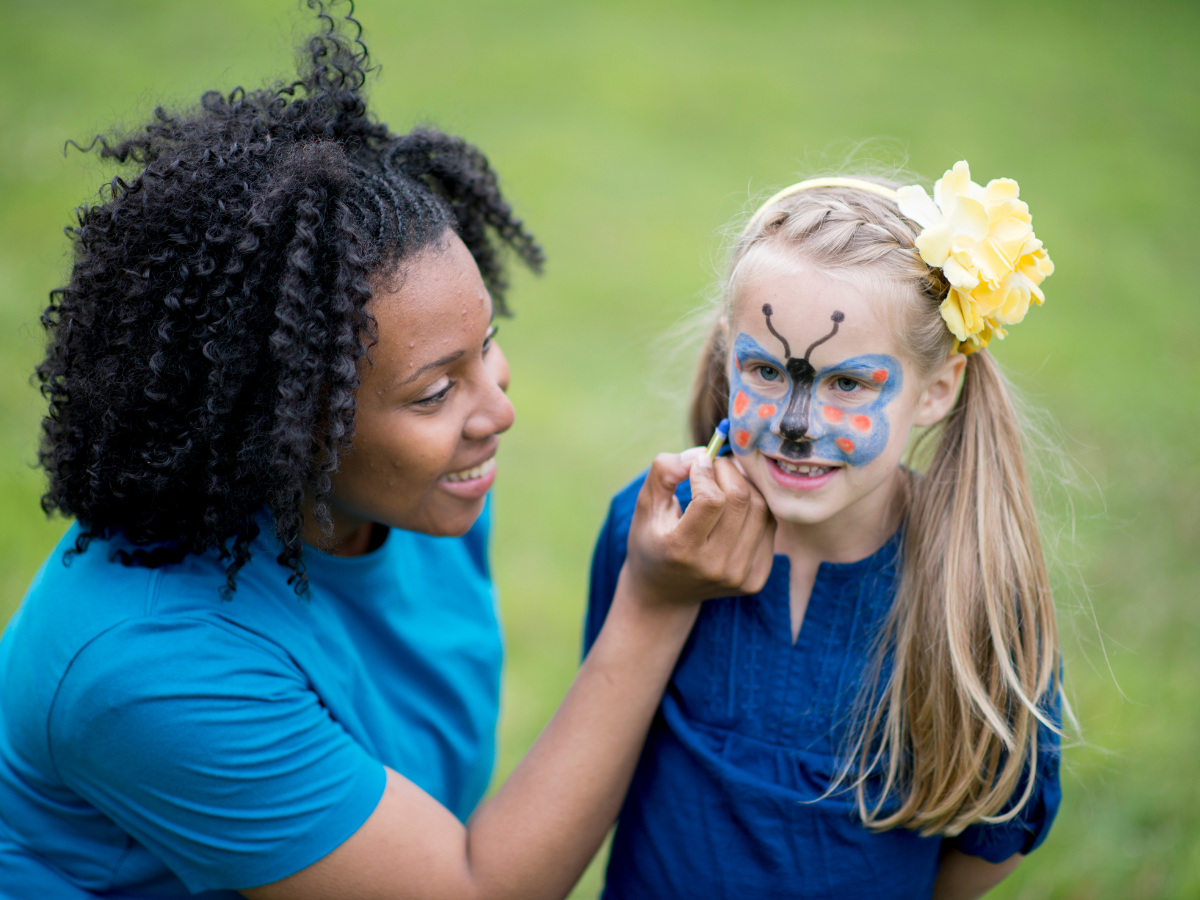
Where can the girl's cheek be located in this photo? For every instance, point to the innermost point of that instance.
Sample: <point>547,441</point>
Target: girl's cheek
<point>858,436</point>
<point>750,417</point>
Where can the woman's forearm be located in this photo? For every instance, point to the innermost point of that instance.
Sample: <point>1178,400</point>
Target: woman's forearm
<point>536,836</point>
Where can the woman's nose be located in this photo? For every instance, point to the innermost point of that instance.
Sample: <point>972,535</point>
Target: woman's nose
<point>494,413</point>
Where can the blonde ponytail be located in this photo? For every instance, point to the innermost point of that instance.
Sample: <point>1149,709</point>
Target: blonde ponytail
<point>972,635</point>
<point>968,662</point>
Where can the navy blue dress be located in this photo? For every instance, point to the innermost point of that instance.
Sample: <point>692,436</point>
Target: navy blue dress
<point>724,802</point>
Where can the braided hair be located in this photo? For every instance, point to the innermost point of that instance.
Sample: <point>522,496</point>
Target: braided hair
<point>201,361</point>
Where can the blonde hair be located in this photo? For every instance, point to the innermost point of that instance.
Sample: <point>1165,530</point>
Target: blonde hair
<point>968,660</point>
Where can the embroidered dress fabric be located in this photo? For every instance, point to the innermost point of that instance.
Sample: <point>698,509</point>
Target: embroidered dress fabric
<point>158,741</point>
<point>724,802</point>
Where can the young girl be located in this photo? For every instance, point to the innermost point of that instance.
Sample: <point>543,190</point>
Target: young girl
<point>880,720</point>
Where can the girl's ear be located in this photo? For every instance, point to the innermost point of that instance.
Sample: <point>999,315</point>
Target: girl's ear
<point>937,399</point>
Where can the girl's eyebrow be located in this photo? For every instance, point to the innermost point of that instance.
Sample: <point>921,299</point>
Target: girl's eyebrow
<point>870,364</point>
<point>850,365</point>
<point>745,345</point>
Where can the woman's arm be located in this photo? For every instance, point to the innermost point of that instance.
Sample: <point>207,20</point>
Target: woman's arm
<point>535,837</point>
<point>963,877</point>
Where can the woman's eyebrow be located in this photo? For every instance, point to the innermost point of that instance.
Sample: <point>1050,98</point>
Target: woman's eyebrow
<point>444,361</point>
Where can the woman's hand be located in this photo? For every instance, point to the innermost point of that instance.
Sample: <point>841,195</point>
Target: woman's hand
<point>723,545</point>
<point>534,838</point>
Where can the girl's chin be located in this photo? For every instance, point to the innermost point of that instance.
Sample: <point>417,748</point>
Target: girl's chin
<point>814,479</point>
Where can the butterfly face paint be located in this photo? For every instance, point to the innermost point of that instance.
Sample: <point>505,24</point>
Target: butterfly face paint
<point>799,425</point>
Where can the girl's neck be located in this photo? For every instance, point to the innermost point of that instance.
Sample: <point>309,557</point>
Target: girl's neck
<point>853,534</point>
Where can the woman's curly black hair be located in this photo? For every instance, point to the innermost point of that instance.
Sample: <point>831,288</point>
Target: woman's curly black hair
<point>201,363</point>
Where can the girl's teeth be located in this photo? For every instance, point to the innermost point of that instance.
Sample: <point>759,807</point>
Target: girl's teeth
<point>795,469</point>
<point>479,471</point>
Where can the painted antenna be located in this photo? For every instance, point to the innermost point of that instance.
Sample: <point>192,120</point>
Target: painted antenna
<point>837,318</point>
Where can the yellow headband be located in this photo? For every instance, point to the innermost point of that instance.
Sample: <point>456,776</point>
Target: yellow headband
<point>980,237</point>
<point>869,186</point>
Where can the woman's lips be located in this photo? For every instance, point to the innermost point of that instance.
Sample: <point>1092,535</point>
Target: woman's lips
<point>817,476</point>
<point>470,484</point>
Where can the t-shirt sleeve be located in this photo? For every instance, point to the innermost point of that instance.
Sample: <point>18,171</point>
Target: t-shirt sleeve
<point>1026,831</point>
<point>208,746</point>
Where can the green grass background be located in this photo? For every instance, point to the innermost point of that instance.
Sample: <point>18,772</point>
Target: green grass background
<point>627,134</point>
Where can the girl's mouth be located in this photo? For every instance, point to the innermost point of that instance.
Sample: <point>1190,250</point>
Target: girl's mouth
<point>800,476</point>
<point>470,484</point>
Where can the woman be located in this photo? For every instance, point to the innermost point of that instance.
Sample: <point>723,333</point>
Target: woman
<point>265,660</point>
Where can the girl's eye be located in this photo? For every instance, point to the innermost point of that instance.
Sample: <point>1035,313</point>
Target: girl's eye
<point>491,336</point>
<point>846,384</point>
<point>769,373</point>
<point>435,399</point>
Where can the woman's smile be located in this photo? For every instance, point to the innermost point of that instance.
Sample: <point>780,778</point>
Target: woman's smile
<point>472,483</point>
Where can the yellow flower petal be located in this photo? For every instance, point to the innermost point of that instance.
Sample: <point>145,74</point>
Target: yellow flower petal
<point>1015,302</point>
<point>1002,187</point>
<point>959,276</point>
<point>990,262</point>
<point>1011,230</point>
<point>969,218</point>
<point>987,299</point>
<point>916,205</point>
<point>951,312</point>
<point>934,243</point>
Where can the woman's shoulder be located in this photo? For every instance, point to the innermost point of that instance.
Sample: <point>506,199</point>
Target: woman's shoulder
<point>89,598</point>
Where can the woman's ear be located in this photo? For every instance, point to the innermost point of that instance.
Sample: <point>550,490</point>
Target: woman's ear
<point>937,399</point>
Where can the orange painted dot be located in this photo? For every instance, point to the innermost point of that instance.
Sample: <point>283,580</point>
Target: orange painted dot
<point>766,410</point>
<point>831,413</point>
<point>742,438</point>
<point>862,423</point>
<point>740,404</point>
<point>879,376</point>
<point>737,364</point>
<point>846,444</point>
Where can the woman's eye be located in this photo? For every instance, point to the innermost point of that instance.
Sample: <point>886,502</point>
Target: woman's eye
<point>491,336</point>
<point>846,384</point>
<point>434,399</point>
<point>769,373</point>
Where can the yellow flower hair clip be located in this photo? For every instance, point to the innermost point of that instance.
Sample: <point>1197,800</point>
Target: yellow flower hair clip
<point>980,237</point>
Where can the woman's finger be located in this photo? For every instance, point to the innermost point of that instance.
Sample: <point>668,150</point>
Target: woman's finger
<point>705,510</point>
<point>657,496</point>
<point>746,530</point>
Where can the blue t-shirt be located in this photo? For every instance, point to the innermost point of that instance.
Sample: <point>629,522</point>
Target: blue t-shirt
<point>157,740</point>
<point>724,802</point>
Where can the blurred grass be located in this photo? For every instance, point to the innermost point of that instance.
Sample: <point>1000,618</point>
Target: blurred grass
<point>627,133</point>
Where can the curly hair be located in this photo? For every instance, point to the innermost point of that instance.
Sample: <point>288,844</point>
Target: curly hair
<point>201,362</point>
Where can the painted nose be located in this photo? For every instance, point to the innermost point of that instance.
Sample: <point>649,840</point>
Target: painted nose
<point>794,425</point>
<point>796,422</point>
